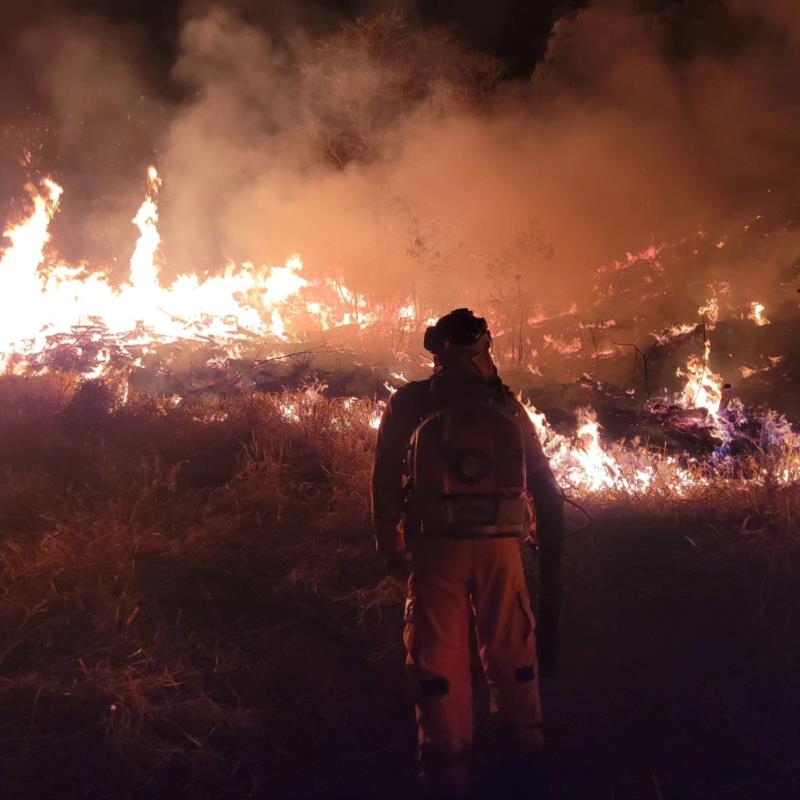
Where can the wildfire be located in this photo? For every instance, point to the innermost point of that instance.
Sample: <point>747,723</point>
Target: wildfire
<point>748,372</point>
<point>710,311</point>
<point>20,284</point>
<point>757,314</point>
<point>561,346</point>
<point>586,465</point>
<point>703,388</point>
<point>42,299</point>
<point>673,332</point>
<point>589,466</point>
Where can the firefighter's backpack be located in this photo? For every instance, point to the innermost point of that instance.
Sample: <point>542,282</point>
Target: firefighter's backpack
<point>466,466</point>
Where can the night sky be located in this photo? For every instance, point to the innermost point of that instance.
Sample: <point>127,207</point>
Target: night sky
<point>514,30</point>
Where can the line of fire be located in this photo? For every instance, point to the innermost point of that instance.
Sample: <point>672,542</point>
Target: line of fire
<point>234,326</point>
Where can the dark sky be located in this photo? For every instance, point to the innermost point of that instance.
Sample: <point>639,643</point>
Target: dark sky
<point>514,30</point>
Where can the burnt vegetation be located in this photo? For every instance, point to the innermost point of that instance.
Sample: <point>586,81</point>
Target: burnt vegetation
<point>190,606</point>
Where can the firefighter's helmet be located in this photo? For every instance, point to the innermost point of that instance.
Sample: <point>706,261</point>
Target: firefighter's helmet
<point>460,327</point>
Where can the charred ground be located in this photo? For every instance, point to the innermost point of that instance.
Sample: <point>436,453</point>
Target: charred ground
<point>191,607</point>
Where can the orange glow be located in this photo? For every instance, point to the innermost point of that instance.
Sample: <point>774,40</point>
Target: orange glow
<point>39,297</point>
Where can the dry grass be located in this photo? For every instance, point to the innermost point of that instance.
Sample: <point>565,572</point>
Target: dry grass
<point>151,554</point>
<point>164,567</point>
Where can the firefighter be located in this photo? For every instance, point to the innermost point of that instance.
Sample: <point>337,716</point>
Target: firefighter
<point>457,463</point>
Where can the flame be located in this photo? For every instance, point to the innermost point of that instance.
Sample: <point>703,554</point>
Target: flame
<point>289,411</point>
<point>144,273</point>
<point>757,314</point>
<point>650,256</point>
<point>376,415</point>
<point>587,465</point>
<point>20,283</point>
<point>561,346</point>
<point>673,332</point>
<point>710,310</point>
<point>703,388</point>
<point>42,300</point>
<point>748,372</point>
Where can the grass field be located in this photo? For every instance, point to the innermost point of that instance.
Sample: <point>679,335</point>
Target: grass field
<point>190,607</point>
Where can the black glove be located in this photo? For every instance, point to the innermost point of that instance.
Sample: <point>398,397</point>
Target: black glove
<point>547,639</point>
<point>398,564</point>
<point>548,607</point>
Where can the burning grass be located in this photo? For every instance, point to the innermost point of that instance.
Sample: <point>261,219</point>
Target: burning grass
<point>165,566</point>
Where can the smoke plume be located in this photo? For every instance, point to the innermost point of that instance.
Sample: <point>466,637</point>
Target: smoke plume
<point>392,155</point>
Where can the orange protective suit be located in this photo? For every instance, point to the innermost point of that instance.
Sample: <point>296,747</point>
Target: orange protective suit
<point>455,582</point>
